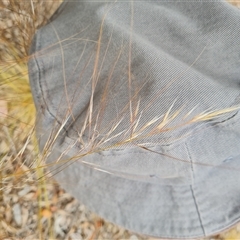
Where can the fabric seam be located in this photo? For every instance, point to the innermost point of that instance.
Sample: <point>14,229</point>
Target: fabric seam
<point>39,66</point>
<point>192,191</point>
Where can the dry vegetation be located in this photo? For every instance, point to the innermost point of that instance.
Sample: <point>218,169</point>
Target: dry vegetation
<point>33,206</point>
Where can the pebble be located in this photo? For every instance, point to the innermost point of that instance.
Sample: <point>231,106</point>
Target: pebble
<point>8,214</point>
<point>9,23</point>
<point>25,216</point>
<point>4,147</point>
<point>17,216</point>
<point>24,191</point>
<point>72,206</point>
<point>133,237</point>
<point>15,198</point>
<point>5,2</point>
<point>75,236</point>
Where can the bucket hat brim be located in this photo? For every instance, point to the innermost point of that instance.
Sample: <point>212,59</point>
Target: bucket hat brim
<point>178,59</point>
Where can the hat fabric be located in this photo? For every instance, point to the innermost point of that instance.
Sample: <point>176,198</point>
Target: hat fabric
<point>105,77</point>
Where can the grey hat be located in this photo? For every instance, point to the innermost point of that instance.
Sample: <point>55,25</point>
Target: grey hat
<point>136,111</point>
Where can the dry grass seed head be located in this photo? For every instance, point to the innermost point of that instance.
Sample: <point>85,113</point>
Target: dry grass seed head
<point>18,111</point>
<point>27,17</point>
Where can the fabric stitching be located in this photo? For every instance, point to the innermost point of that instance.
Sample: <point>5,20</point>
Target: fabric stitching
<point>40,67</point>
<point>192,191</point>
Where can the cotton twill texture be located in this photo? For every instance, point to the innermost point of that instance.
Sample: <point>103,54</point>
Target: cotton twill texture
<point>178,183</point>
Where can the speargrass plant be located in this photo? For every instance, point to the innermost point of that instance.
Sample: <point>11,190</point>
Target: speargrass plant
<point>20,160</point>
